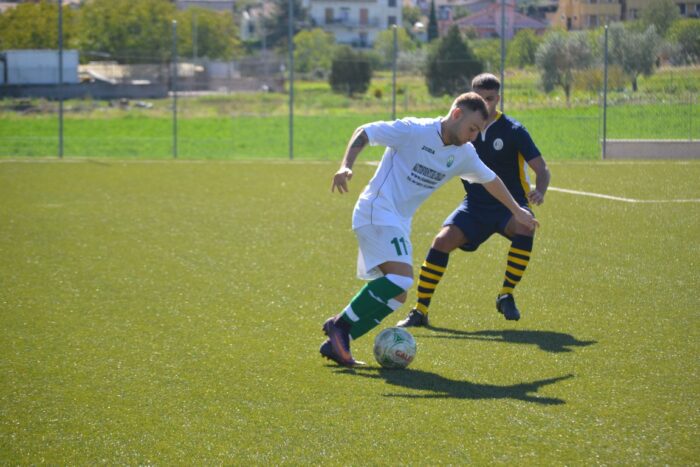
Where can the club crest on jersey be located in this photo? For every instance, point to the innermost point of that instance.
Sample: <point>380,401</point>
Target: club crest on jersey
<point>498,144</point>
<point>450,161</point>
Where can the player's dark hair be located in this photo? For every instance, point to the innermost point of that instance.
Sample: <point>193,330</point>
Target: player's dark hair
<point>473,102</point>
<point>487,82</point>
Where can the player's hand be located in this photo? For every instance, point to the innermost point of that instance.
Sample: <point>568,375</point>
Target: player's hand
<point>535,197</point>
<point>525,217</point>
<point>340,180</point>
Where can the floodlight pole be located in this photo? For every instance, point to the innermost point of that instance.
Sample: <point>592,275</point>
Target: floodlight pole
<point>503,51</point>
<point>174,89</point>
<point>393,73</point>
<point>60,79</point>
<point>605,92</point>
<point>291,79</point>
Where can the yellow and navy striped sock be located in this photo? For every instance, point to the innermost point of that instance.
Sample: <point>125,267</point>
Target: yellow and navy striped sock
<point>431,272</point>
<point>518,258</point>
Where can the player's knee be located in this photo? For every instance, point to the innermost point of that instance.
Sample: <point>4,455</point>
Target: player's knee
<point>449,239</point>
<point>403,282</point>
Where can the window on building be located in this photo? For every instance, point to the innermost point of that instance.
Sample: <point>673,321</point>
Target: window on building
<point>391,20</point>
<point>364,39</point>
<point>594,1</point>
<point>344,14</point>
<point>593,21</point>
<point>329,15</point>
<point>364,16</point>
<point>392,3</point>
<point>681,7</point>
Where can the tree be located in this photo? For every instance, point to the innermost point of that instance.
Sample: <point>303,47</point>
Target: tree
<point>634,52</point>
<point>522,49</point>
<point>277,24</point>
<point>351,72</point>
<point>35,26</point>
<point>451,65</point>
<point>130,32</point>
<point>384,43</point>
<point>686,33</point>
<point>433,32</point>
<point>411,15</point>
<point>558,56</point>
<point>216,34</point>
<point>661,14</point>
<point>313,51</point>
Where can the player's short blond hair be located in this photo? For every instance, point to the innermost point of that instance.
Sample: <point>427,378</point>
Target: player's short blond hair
<point>471,101</point>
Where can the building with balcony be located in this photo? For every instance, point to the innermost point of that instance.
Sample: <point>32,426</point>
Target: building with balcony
<point>354,22</point>
<point>588,14</point>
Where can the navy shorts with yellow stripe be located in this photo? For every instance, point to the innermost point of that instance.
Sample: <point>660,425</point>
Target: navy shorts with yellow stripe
<point>479,222</point>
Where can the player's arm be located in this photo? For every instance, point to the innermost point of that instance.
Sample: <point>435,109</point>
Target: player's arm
<point>357,143</point>
<point>542,177</point>
<point>499,191</point>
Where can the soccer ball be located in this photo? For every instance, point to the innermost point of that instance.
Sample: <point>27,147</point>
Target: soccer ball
<point>394,348</point>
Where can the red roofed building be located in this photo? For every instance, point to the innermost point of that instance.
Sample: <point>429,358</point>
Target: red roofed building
<point>487,21</point>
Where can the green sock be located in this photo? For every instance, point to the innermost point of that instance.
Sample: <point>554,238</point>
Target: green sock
<point>372,304</point>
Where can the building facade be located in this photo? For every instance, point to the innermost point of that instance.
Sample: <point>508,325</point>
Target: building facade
<point>588,14</point>
<point>354,22</point>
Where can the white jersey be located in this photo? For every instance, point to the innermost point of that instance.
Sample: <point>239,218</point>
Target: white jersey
<point>416,163</point>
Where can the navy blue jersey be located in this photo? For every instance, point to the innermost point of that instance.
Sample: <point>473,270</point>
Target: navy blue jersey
<point>505,148</point>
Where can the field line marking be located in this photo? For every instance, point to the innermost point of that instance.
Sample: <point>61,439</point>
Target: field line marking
<point>619,198</point>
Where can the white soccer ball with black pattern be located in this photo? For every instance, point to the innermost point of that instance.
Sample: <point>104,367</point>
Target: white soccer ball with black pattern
<point>394,348</point>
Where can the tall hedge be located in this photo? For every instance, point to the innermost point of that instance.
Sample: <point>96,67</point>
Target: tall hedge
<point>451,65</point>
<point>351,72</point>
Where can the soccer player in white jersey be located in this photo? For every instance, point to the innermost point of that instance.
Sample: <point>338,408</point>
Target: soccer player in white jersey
<point>421,155</point>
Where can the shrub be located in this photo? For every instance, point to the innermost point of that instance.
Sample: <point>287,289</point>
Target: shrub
<point>351,72</point>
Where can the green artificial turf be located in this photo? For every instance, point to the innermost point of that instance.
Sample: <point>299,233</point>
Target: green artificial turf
<point>170,313</point>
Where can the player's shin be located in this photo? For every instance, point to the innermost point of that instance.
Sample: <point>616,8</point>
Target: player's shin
<point>431,271</point>
<point>375,301</point>
<point>518,259</point>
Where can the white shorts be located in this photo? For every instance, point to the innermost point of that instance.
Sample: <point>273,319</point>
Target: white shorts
<point>379,244</point>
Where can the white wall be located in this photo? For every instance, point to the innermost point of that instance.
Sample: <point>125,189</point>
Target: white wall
<point>40,66</point>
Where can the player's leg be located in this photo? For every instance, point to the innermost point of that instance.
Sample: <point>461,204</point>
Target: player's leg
<point>384,260</point>
<point>516,264</point>
<point>462,229</point>
<point>433,268</point>
<point>379,298</point>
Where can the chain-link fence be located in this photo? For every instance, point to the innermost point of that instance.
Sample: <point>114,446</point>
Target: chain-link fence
<point>241,109</point>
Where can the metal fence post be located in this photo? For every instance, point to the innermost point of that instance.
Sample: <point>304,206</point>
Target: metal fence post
<point>393,73</point>
<point>174,89</point>
<point>503,52</point>
<point>291,79</point>
<point>605,92</point>
<point>60,79</point>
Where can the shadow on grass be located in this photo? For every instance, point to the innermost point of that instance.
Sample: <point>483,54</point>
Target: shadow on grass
<point>548,341</point>
<point>439,387</point>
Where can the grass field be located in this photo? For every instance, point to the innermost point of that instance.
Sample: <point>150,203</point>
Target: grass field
<point>560,133</point>
<point>170,313</point>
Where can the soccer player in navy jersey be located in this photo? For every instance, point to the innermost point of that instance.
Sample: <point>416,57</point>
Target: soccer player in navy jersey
<point>421,155</point>
<point>505,146</point>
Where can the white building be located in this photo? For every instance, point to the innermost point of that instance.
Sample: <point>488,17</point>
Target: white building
<point>354,22</point>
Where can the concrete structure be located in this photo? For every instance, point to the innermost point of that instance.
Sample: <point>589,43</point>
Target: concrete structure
<point>652,149</point>
<point>29,67</point>
<point>354,22</point>
<point>587,14</point>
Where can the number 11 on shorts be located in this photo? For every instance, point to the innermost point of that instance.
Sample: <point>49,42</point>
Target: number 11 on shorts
<point>398,243</point>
